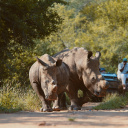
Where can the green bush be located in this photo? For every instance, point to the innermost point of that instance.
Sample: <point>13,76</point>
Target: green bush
<point>113,101</point>
<point>15,99</point>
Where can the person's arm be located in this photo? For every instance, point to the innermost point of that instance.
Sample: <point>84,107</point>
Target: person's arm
<point>122,68</point>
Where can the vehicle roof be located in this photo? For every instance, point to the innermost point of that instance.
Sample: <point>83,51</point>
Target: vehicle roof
<point>102,69</point>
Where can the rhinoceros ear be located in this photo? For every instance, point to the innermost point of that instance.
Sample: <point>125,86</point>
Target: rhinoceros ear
<point>58,62</point>
<point>98,54</point>
<point>89,54</point>
<point>42,62</point>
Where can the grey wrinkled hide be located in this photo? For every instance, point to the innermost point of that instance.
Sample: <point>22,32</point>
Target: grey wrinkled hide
<point>84,75</point>
<point>49,78</point>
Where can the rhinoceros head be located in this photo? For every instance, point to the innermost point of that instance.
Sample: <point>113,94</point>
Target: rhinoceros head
<point>91,75</point>
<point>47,75</point>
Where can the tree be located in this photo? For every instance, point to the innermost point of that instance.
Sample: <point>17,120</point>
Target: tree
<point>68,35</point>
<point>22,21</point>
<point>107,31</point>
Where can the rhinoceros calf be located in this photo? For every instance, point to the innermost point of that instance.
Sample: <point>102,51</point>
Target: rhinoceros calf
<point>84,75</point>
<point>49,77</point>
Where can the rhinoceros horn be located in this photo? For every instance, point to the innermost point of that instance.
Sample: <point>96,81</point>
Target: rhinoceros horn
<point>42,62</point>
<point>98,54</point>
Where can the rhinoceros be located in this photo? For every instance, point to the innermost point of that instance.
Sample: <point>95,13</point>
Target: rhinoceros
<point>84,75</point>
<point>49,78</point>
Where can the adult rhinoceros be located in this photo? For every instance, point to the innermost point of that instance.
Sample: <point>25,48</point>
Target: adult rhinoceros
<point>84,75</point>
<point>49,77</point>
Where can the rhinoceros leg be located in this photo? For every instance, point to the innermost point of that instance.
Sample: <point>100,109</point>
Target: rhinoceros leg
<point>63,104</point>
<point>56,106</point>
<point>72,93</point>
<point>60,103</point>
<point>45,104</point>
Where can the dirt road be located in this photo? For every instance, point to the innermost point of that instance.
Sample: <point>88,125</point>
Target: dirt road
<point>67,119</point>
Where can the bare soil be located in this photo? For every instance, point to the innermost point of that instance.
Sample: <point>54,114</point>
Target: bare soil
<point>67,119</point>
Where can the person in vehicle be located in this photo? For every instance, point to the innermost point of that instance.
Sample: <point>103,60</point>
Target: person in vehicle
<point>123,72</point>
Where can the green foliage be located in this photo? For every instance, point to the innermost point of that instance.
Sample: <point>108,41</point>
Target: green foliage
<point>22,21</point>
<point>113,101</point>
<point>67,99</point>
<point>8,101</point>
<point>15,99</point>
<point>18,62</point>
<point>95,27</point>
<point>30,101</point>
<point>80,93</point>
<point>107,31</point>
<point>33,28</point>
<point>70,32</point>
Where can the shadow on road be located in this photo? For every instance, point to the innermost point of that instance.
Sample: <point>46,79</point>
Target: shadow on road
<point>86,117</point>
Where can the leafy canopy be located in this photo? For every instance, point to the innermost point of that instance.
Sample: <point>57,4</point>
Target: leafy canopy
<point>22,21</point>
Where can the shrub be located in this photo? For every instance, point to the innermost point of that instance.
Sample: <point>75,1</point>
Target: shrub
<point>113,101</point>
<point>14,99</point>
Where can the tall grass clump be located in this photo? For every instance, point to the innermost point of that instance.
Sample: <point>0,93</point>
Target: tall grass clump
<point>113,101</point>
<point>8,101</point>
<point>15,99</point>
<point>30,101</point>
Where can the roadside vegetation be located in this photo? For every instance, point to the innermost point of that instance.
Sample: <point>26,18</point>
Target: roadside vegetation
<point>16,99</point>
<point>95,25</point>
<point>30,28</point>
<point>113,101</point>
